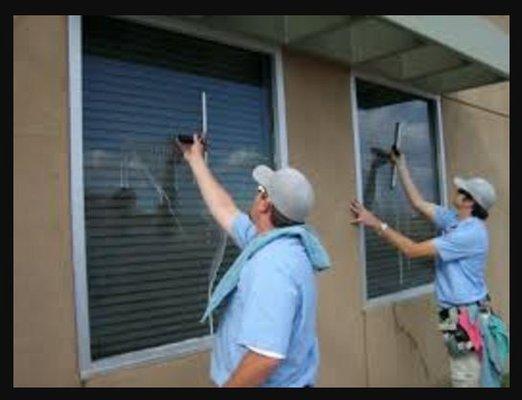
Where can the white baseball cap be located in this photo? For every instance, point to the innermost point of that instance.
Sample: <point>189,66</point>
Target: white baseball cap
<point>289,190</point>
<point>480,189</point>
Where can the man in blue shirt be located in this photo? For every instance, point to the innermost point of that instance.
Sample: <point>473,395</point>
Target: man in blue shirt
<point>267,334</point>
<point>461,250</point>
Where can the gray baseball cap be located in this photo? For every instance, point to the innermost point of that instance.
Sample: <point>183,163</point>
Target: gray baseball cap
<point>480,189</point>
<point>288,189</point>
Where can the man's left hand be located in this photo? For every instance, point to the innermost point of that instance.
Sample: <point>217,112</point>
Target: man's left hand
<point>363,216</point>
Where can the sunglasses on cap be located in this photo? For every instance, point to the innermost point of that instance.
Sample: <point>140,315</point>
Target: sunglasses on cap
<point>261,190</point>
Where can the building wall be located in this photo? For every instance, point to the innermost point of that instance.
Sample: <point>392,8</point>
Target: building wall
<point>44,327</point>
<point>189,371</point>
<point>477,143</point>
<point>391,345</point>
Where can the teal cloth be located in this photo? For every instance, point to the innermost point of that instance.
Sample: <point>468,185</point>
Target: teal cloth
<point>495,349</point>
<point>314,250</point>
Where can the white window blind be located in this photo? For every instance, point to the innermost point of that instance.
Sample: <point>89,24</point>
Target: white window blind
<point>150,240</point>
<point>379,110</point>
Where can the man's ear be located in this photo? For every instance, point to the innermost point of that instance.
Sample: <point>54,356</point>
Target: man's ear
<point>266,205</point>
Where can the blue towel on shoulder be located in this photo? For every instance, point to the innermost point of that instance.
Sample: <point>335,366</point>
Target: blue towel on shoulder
<point>313,247</point>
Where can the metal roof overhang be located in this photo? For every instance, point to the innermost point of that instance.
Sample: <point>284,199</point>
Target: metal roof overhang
<point>437,54</point>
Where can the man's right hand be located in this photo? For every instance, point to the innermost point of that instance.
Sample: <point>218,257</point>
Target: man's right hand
<point>217,199</point>
<point>397,158</point>
<point>194,151</point>
<point>417,201</point>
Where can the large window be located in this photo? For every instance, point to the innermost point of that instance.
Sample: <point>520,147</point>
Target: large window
<point>379,111</point>
<point>150,241</point>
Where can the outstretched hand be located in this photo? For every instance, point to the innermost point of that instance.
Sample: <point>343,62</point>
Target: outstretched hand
<point>192,151</point>
<point>397,157</point>
<point>362,215</point>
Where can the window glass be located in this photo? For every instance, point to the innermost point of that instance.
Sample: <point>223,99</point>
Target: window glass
<point>380,109</point>
<point>150,240</point>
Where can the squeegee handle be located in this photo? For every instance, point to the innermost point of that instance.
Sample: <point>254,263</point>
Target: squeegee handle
<point>396,151</point>
<point>204,121</point>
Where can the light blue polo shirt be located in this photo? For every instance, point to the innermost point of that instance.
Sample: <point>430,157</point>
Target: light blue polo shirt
<point>462,252</point>
<point>273,310</point>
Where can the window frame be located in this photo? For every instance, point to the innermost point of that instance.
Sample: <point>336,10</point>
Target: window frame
<point>88,367</point>
<point>441,175</point>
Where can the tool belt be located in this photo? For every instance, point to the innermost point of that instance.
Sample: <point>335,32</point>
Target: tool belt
<point>455,337</point>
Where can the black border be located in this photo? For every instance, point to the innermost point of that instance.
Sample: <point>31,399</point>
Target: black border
<point>257,8</point>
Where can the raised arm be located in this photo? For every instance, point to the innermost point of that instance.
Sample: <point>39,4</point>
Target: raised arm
<point>417,201</point>
<point>217,199</point>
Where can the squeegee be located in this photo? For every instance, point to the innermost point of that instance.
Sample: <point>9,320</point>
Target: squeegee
<point>396,149</point>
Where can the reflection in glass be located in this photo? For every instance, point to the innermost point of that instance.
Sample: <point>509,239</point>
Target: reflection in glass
<point>150,239</point>
<point>379,110</point>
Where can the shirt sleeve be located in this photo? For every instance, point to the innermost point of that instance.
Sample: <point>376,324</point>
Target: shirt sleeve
<point>457,244</point>
<point>269,309</point>
<point>266,352</point>
<point>243,230</point>
<point>444,217</point>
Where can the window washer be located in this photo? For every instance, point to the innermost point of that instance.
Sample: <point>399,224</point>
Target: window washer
<point>461,253</point>
<point>267,333</point>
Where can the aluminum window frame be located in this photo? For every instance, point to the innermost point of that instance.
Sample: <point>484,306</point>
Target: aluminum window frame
<point>441,175</point>
<point>87,367</point>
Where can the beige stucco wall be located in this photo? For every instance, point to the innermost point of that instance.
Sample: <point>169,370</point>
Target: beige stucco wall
<point>189,371</point>
<point>391,345</point>
<point>44,332</point>
<point>477,143</point>
<point>490,98</point>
